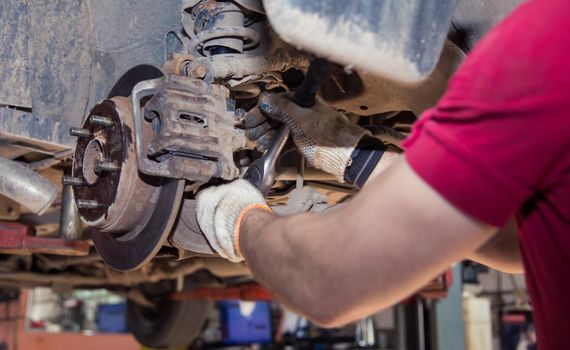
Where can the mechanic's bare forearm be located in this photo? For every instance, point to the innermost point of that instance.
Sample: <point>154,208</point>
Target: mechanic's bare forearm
<point>283,254</point>
<point>339,266</point>
<point>501,252</point>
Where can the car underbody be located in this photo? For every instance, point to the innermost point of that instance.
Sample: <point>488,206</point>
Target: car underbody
<point>133,107</point>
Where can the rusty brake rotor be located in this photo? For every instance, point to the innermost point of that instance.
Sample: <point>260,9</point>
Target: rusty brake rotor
<point>130,214</point>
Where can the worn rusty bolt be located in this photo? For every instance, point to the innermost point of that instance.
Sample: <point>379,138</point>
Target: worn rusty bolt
<point>197,71</point>
<point>79,132</point>
<point>88,204</point>
<point>101,121</point>
<point>107,167</point>
<point>73,181</point>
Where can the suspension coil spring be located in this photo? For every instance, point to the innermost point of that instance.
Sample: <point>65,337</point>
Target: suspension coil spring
<point>219,28</point>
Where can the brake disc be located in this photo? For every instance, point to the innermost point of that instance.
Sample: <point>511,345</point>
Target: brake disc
<point>130,214</point>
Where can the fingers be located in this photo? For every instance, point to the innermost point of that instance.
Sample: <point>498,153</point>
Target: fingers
<point>258,131</point>
<point>280,107</point>
<point>206,203</point>
<point>254,118</point>
<point>273,105</point>
<point>260,122</point>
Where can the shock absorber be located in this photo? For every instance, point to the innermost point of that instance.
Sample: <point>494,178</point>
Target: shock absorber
<point>219,28</point>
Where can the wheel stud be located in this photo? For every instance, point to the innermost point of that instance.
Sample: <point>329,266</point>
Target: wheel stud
<point>88,204</point>
<point>73,181</point>
<point>107,167</point>
<point>101,121</point>
<point>79,132</point>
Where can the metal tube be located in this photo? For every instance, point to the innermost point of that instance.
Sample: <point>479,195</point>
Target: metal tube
<point>25,186</point>
<point>69,222</point>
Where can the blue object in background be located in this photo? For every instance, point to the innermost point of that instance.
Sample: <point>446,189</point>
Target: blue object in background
<point>245,322</point>
<point>112,318</point>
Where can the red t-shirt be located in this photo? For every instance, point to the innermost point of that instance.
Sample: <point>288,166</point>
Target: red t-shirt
<point>497,145</point>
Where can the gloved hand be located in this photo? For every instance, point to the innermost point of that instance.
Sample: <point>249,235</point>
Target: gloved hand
<point>325,137</point>
<point>219,211</point>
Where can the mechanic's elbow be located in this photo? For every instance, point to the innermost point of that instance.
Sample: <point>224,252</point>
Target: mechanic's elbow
<point>504,264</point>
<point>327,318</point>
<point>327,313</point>
<point>512,268</point>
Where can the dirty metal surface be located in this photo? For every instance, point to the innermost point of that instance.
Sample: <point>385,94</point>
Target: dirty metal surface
<point>473,19</point>
<point>126,198</point>
<point>367,94</point>
<point>15,238</point>
<point>70,225</point>
<point>107,143</point>
<point>14,55</point>
<point>134,213</point>
<point>135,248</point>
<point>9,209</point>
<point>251,5</point>
<point>102,39</point>
<point>400,40</point>
<point>194,129</point>
<point>124,227</point>
<point>236,45</point>
<point>302,200</point>
<point>59,82</point>
<point>32,132</point>
<point>187,234</point>
<point>245,69</point>
<point>61,57</point>
<point>27,187</point>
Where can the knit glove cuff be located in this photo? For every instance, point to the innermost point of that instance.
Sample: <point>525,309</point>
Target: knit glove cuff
<point>334,159</point>
<point>324,136</point>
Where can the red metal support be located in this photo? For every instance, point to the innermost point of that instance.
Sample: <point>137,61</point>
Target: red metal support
<point>247,292</point>
<point>15,238</point>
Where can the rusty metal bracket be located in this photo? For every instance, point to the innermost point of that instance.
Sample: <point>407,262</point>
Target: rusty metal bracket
<point>15,238</point>
<point>194,134</point>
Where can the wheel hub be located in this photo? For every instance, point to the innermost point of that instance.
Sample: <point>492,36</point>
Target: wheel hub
<point>129,214</point>
<point>114,198</point>
<point>93,154</point>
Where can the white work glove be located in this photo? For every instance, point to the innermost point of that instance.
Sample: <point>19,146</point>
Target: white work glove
<point>325,137</point>
<point>219,211</point>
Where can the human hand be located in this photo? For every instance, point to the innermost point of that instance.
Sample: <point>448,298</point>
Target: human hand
<point>325,137</point>
<point>219,211</point>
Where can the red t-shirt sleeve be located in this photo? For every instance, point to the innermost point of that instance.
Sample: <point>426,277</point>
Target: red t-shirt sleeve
<point>491,142</point>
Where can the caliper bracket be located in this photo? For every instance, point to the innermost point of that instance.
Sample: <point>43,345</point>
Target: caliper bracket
<point>194,133</point>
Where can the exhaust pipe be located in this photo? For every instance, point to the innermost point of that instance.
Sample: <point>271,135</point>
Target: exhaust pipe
<point>25,186</point>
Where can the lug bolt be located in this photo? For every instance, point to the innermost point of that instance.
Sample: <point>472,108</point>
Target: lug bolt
<point>107,167</point>
<point>88,204</point>
<point>72,181</point>
<point>101,121</point>
<point>79,132</point>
